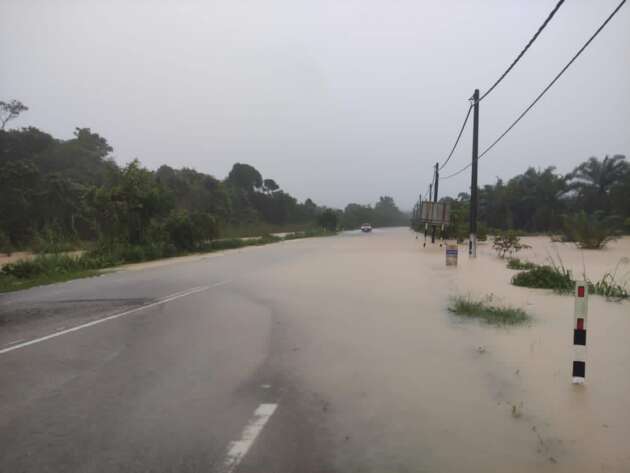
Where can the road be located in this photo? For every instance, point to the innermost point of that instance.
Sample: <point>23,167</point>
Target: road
<point>328,354</point>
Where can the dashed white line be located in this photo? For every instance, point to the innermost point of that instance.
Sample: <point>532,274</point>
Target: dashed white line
<point>59,333</point>
<point>239,448</point>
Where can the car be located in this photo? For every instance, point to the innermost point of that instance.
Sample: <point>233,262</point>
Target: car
<point>366,227</point>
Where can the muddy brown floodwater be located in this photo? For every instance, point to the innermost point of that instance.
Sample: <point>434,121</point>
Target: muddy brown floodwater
<point>412,387</point>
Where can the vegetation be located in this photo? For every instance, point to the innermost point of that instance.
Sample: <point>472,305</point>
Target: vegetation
<point>590,232</point>
<point>50,268</point>
<point>507,243</point>
<point>537,200</point>
<point>384,214</point>
<point>516,263</point>
<point>485,310</point>
<point>610,288</point>
<point>557,278</point>
<point>55,195</point>
<point>560,279</point>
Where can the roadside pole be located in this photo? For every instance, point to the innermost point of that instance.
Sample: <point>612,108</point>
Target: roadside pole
<point>580,313</point>
<point>472,245</point>
<point>435,196</point>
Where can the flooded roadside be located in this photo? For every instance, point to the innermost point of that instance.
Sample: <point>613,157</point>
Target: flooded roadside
<point>411,387</point>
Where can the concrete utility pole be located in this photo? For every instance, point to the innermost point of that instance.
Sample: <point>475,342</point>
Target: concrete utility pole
<point>472,245</point>
<point>435,196</point>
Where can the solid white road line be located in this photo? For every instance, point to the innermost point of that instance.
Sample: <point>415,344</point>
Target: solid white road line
<point>238,449</point>
<point>169,298</point>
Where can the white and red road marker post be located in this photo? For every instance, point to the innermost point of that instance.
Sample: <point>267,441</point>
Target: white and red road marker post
<point>579,332</point>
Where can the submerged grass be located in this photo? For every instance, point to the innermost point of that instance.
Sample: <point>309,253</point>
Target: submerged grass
<point>485,310</point>
<point>516,263</point>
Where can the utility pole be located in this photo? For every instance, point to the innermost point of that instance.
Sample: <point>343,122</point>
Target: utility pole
<point>472,245</point>
<point>435,196</point>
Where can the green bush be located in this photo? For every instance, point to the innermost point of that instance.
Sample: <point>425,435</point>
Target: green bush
<point>52,240</point>
<point>507,242</point>
<point>591,232</point>
<point>557,278</point>
<point>328,220</point>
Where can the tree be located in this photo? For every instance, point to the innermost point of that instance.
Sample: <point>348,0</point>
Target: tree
<point>328,220</point>
<point>9,111</point>
<point>594,179</point>
<point>269,186</point>
<point>387,214</point>
<point>245,177</point>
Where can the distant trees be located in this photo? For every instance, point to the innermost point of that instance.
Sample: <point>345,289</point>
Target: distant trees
<point>545,201</point>
<point>56,190</point>
<point>328,220</point>
<point>385,213</point>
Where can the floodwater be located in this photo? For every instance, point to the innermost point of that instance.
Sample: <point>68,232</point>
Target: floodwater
<point>410,387</point>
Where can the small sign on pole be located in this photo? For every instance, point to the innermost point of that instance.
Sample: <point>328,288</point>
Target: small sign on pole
<point>451,255</point>
<point>579,332</point>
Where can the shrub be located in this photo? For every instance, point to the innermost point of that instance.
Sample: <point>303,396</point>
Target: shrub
<point>328,220</point>
<point>52,240</point>
<point>46,264</point>
<point>591,232</point>
<point>554,277</point>
<point>515,263</point>
<point>507,243</point>
<point>180,230</point>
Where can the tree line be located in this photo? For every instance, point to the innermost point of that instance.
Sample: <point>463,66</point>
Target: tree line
<point>54,190</point>
<point>597,191</point>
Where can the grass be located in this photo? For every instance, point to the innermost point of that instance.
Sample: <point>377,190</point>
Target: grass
<point>557,277</point>
<point>516,263</point>
<point>52,268</point>
<point>484,309</point>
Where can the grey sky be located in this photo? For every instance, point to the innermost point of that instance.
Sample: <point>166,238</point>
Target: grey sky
<point>340,101</point>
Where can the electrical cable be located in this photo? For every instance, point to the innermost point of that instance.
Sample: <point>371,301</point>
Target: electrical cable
<point>531,41</point>
<point>458,138</point>
<point>457,172</point>
<point>555,79</point>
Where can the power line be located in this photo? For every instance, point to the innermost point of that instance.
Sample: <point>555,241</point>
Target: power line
<point>602,26</point>
<point>458,138</point>
<point>457,172</point>
<point>531,41</point>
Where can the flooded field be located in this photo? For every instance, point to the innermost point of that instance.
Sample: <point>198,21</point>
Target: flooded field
<point>412,387</point>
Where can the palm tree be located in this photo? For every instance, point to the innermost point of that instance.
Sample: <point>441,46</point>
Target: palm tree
<point>599,175</point>
<point>593,180</point>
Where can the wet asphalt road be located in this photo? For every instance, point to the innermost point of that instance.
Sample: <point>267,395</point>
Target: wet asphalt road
<point>161,389</point>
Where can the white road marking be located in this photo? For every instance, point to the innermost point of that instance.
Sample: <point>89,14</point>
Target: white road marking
<point>238,449</point>
<point>169,298</point>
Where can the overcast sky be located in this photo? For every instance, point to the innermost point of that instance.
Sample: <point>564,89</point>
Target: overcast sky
<point>340,101</point>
